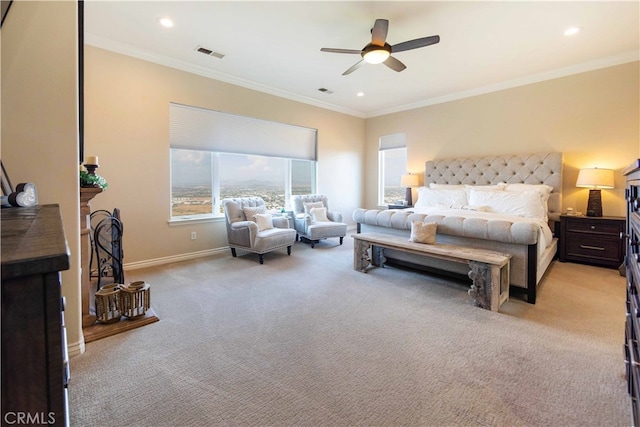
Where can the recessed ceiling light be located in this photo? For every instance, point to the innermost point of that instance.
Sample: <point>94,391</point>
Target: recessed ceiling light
<point>360,94</point>
<point>571,31</point>
<point>166,22</point>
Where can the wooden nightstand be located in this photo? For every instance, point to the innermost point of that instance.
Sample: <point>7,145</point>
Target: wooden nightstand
<point>592,240</point>
<point>399,206</point>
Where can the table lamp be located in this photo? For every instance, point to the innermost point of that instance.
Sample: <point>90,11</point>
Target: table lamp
<point>595,179</point>
<point>409,181</point>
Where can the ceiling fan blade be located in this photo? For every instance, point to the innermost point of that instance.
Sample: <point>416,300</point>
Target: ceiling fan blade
<point>414,44</point>
<point>394,64</point>
<point>332,50</point>
<point>379,32</point>
<point>354,67</point>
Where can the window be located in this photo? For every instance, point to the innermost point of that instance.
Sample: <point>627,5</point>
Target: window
<point>244,176</point>
<point>216,155</point>
<point>191,183</point>
<point>200,180</point>
<point>392,164</point>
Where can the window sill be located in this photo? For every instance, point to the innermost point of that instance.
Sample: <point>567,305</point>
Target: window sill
<point>174,222</point>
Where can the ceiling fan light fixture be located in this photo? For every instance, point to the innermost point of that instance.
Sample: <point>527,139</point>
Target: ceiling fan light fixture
<point>376,56</point>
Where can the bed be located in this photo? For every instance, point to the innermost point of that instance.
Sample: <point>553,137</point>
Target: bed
<point>484,202</point>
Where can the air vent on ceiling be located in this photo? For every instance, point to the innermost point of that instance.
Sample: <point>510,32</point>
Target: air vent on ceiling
<point>210,52</point>
<point>325,90</point>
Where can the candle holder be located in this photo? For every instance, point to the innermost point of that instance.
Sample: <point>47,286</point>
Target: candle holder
<point>91,169</point>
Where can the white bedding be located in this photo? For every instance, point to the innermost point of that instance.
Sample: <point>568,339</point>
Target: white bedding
<point>545,237</point>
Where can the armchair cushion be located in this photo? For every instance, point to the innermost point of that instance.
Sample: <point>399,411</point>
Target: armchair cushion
<point>319,215</point>
<point>250,212</point>
<point>311,205</point>
<point>264,221</point>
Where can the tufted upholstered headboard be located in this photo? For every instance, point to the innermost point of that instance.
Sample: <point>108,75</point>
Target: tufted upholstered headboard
<point>536,168</point>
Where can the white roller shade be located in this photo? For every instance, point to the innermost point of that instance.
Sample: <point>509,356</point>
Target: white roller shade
<point>389,142</point>
<point>195,128</point>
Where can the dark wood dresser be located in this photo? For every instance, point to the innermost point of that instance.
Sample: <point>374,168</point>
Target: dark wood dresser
<point>35,366</point>
<point>632,325</point>
<point>592,240</point>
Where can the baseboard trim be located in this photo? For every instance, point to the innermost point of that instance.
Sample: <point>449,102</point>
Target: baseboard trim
<point>173,258</point>
<point>76,348</point>
<point>188,256</point>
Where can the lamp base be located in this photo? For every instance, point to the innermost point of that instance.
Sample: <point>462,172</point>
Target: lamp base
<point>407,196</point>
<point>594,204</point>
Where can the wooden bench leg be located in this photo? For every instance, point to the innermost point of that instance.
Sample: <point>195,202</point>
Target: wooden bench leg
<point>361,259</point>
<point>481,287</point>
<point>490,286</point>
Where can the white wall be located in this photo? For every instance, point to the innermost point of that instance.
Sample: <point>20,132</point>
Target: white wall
<point>40,122</point>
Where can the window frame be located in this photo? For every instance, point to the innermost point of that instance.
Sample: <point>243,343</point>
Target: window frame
<point>216,185</point>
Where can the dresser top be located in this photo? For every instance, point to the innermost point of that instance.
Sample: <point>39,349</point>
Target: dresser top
<point>33,241</point>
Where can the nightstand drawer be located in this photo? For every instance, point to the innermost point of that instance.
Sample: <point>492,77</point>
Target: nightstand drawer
<point>593,249</point>
<point>596,227</point>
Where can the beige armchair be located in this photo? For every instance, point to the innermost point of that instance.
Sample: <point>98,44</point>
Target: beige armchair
<point>252,229</point>
<point>313,220</point>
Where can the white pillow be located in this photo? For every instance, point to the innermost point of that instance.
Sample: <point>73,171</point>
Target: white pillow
<point>474,208</point>
<point>445,186</point>
<point>462,207</point>
<point>264,221</point>
<point>429,197</point>
<point>493,187</point>
<point>251,211</point>
<point>310,205</point>
<point>520,203</point>
<point>319,214</point>
<point>544,190</point>
<point>423,232</point>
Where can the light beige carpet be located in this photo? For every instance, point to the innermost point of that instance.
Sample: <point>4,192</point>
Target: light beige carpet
<point>304,340</point>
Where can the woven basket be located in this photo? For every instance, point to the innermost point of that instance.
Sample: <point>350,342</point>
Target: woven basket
<point>108,304</point>
<point>135,299</point>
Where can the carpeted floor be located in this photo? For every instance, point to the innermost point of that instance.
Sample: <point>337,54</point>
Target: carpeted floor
<point>304,340</point>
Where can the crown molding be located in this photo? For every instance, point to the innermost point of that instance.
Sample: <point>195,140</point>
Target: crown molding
<point>126,49</point>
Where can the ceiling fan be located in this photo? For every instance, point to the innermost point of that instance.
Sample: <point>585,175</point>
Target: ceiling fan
<point>379,51</point>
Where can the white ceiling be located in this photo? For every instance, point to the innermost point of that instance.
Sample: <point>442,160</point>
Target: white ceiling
<point>274,47</point>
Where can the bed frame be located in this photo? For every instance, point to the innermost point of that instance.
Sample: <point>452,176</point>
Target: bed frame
<point>528,261</point>
<point>536,168</point>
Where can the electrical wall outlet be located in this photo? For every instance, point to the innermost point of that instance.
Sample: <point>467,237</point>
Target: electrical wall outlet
<point>194,236</point>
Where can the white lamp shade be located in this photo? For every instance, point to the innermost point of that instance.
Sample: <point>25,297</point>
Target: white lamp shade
<point>595,178</point>
<point>409,180</point>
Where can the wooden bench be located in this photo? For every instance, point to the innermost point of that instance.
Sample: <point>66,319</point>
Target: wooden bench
<point>489,270</point>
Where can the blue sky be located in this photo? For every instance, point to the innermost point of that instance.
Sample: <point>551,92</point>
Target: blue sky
<point>194,168</point>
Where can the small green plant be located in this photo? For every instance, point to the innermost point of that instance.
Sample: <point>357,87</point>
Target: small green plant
<point>88,180</point>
